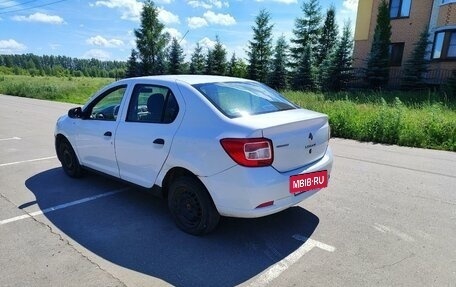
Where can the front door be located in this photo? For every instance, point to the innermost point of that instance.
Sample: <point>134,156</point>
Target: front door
<point>97,130</point>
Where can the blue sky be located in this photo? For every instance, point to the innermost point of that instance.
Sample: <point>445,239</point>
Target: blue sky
<point>103,29</point>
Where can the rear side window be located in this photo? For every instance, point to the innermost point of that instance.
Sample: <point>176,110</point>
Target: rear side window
<point>152,104</point>
<point>237,99</point>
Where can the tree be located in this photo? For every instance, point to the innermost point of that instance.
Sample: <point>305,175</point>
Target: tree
<point>132,65</point>
<point>304,76</point>
<point>197,61</point>
<point>279,74</point>
<point>337,68</point>
<point>209,65</point>
<point>306,34</point>
<point>175,58</point>
<point>260,48</point>
<point>218,58</point>
<point>377,72</point>
<point>151,41</point>
<point>328,37</point>
<point>237,67</point>
<point>232,65</point>
<point>417,65</point>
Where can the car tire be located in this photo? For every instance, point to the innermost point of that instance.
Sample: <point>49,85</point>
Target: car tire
<point>191,206</point>
<point>68,159</point>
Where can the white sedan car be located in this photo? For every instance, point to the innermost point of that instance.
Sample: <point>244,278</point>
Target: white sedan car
<point>212,145</point>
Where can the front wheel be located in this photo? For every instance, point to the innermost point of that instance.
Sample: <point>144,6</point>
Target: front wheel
<point>191,206</point>
<point>69,160</point>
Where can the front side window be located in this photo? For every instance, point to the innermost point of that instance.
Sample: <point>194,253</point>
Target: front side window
<point>106,106</point>
<point>400,8</point>
<point>152,104</point>
<point>444,45</point>
<point>448,1</point>
<point>237,99</point>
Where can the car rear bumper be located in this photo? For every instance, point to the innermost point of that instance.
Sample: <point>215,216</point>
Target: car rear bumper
<point>238,191</point>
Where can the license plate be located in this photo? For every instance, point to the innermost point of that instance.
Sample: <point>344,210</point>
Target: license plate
<point>308,181</point>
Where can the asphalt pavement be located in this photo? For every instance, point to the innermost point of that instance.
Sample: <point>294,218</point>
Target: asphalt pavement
<point>388,218</point>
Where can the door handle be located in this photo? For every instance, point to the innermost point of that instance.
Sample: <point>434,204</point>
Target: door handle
<point>108,134</point>
<point>159,141</point>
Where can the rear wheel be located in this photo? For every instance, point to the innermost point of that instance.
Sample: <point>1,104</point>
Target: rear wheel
<point>191,206</point>
<point>69,160</point>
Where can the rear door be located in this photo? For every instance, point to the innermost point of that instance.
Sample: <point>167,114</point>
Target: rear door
<point>144,139</point>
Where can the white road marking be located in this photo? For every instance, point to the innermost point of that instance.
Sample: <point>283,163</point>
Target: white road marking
<point>398,233</point>
<point>10,139</point>
<point>61,206</point>
<point>275,270</point>
<point>30,160</point>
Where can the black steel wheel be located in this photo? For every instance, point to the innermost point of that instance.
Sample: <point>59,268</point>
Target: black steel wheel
<point>68,159</point>
<point>191,206</point>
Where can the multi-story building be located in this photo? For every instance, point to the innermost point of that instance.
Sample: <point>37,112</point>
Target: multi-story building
<point>409,18</point>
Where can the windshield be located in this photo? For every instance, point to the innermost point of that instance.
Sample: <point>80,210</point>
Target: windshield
<point>237,99</point>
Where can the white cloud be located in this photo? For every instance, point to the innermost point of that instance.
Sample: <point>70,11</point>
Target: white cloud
<point>173,33</point>
<point>97,54</point>
<point>167,17</point>
<point>218,18</point>
<point>208,4</point>
<point>40,17</point>
<point>196,22</point>
<point>163,1</point>
<point>130,9</point>
<point>350,5</point>
<point>207,43</point>
<point>103,42</point>
<point>54,46</point>
<point>10,46</point>
<point>349,10</point>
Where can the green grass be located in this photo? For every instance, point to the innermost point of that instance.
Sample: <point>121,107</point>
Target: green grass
<point>425,123</point>
<point>415,119</point>
<point>64,89</point>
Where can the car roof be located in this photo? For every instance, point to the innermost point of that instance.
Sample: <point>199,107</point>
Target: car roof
<point>193,79</point>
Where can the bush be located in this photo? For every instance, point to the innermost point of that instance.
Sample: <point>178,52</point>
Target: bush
<point>420,121</point>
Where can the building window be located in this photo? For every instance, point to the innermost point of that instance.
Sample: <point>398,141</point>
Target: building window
<point>396,52</point>
<point>444,45</point>
<point>400,8</point>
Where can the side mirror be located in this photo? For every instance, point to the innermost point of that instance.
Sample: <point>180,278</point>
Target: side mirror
<point>75,113</point>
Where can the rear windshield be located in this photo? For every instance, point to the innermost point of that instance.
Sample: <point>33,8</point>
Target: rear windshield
<point>237,99</point>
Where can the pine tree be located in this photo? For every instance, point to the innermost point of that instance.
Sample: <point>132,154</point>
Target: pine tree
<point>304,76</point>
<point>151,41</point>
<point>377,72</point>
<point>175,58</point>
<point>260,48</point>
<point>338,67</point>
<point>232,65</point>
<point>219,58</point>
<point>418,64</point>
<point>197,61</point>
<point>237,67</point>
<point>132,65</point>
<point>328,37</point>
<point>279,74</point>
<point>306,34</point>
<point>209,63</point>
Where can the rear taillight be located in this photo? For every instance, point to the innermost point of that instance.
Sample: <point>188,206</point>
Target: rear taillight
<point>254,152</point>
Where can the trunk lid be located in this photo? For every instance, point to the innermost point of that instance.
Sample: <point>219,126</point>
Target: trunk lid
<point>299,137</point>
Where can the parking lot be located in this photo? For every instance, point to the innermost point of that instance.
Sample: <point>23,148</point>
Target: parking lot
<point>387,218</point>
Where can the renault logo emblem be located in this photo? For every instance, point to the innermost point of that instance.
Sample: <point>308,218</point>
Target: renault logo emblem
<point>311,137</point>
